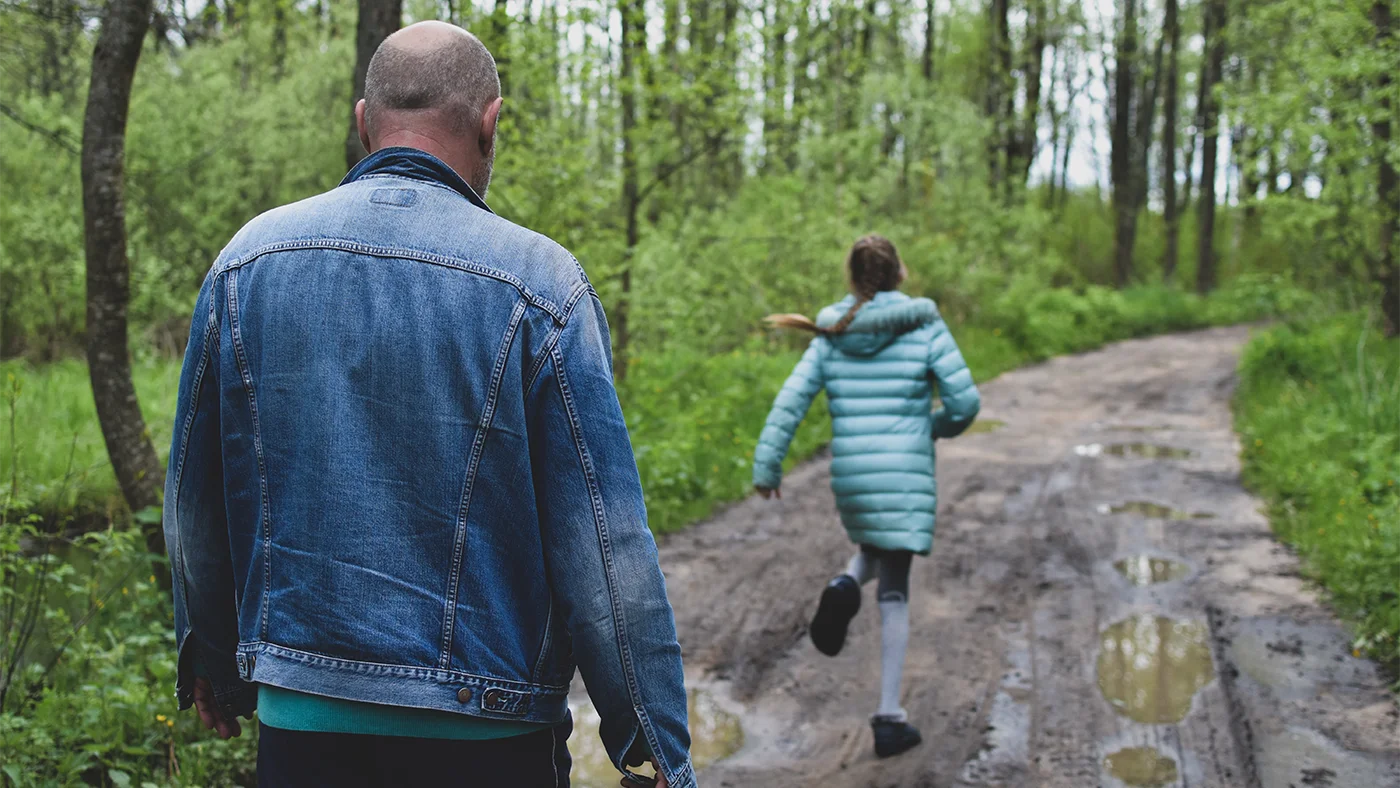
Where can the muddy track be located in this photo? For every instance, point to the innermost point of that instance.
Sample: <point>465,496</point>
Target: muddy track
<point>1033,660</point>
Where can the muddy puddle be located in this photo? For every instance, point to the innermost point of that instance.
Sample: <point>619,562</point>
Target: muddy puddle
<point>985,425</point>
<point>1154,510</point>
<point>1141,766</point>
<point>1150,667</point>
<point>1146,570</point>
<point>715,734</point>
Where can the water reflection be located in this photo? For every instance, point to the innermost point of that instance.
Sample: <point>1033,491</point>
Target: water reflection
<point>1147,450</point>
<point>1141,766</point>
<point>1142,570</point>
<point>1154,510</point>
<point>714,734</point>
<point>1150,667</point>
<point>985,425</point>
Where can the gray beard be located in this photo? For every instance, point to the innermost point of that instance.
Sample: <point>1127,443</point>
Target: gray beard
<point>481,176</point>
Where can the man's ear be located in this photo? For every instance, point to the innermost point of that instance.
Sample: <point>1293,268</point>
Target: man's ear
<point>488,126</point>
<point>360,124</point>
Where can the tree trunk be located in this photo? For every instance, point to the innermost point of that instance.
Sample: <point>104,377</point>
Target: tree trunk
<point>633,44</point>
<point>998,87</point>
<point>929,33</point>
<point>500,43</point>
<point>1172,32</point>
<point>378,18</point>
<point>1215,11</point>
<point>108,271</point>
<point>1387,271</point>
<point>1121,154</point>
<point>1024,139</point>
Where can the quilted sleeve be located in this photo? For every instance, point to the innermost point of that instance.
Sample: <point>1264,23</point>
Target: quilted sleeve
<point>955,385</point>
<point>789,407</point>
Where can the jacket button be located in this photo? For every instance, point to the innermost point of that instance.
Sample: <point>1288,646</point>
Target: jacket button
<point>491,699</point>
<point>464,695</point>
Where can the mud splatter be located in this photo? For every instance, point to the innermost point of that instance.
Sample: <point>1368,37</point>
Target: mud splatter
<point>1141,766</point>
<point>715,734</point>
<point>1150,667</point>
<point>1143,570</point>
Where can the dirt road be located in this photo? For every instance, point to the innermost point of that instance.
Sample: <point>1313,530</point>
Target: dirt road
<point>1034,660</point>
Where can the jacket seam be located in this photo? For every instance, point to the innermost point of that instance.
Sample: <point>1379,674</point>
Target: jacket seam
<point>397,253</point>
<point>473,463</point>
<point>605,545</point>
<point>264,513</point>
<point>553,338</point>
<point>197,388</point>
<point>548,641</point>
<point>441,675</point>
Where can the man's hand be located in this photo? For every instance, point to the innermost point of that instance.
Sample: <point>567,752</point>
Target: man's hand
<point>769,492</point>
<point>659,780</point>
<point>209,712</point>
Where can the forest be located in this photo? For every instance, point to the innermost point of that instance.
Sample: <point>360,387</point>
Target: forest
<point>1058,174</point>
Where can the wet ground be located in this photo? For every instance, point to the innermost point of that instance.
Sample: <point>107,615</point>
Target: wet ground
<point>1104,606</point>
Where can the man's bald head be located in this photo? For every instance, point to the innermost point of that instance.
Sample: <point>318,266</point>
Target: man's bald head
<point>434,87</point>
<point>432,72</point>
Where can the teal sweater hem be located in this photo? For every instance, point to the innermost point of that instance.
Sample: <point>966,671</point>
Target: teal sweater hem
<point>301,711</point>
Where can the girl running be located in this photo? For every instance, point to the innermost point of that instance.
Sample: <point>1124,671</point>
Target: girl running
<point>878,354</point>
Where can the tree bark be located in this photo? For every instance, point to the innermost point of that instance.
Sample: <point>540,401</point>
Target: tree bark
<point>1387,271</point>
<point>1023,139</point>
<point>929,33</point>
<point>998,87</point>
<point>1121,154</point>
<point>633,44</point>
<point>378,18</point>
<point>1170,215</point>
<point>114,59</point>
<point>1215,17</point>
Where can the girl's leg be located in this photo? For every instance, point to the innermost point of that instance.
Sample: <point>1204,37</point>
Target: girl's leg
<point>893,733</point>
<point>893,595</point>
<point>839,603</point>
<point>861,567</point>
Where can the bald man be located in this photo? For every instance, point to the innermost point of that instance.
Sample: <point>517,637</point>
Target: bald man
<point>402,507</point>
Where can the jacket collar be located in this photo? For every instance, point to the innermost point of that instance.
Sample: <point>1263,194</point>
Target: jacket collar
<point>417,165</point>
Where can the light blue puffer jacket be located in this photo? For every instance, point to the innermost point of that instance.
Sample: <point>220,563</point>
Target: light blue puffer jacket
<point>879,378</point>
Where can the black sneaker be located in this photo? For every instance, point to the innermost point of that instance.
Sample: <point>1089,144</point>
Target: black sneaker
<point>840,602</point>
<point>894,736</point>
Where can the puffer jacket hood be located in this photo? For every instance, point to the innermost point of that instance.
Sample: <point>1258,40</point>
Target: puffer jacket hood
<point>888,316</point>
<point>880,376</point>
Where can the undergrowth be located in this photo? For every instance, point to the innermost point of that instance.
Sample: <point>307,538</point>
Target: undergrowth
<point>1318,412</point>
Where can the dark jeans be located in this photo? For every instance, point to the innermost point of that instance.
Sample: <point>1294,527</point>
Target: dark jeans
<point>301,759</point>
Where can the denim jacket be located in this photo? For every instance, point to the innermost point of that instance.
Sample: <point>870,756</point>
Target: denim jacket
<point>400,473</point>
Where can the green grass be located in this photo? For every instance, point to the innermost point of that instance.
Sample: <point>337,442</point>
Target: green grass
<point>1318,411</point>
<point>693,418</point>
<point>49,425</point>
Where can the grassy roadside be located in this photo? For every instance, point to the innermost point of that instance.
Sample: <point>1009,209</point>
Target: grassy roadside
<point>693,418</point>
<point>1318,412</point>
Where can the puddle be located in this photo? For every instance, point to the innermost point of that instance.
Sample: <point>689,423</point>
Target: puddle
<point>1141,766</point>
<point>1150,667</point>
<point>1154,510</point>
<point>714,734</point>
<point>1149,451</point>
<point>984,425</point>
<point>1145,570</point>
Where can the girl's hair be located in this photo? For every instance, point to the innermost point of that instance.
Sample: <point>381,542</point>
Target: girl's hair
<point>872,266</point>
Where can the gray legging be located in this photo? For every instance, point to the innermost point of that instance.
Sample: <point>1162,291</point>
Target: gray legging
<point>892,592</point>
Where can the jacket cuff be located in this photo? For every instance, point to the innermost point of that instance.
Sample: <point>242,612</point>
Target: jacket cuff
<point>766,476</point>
